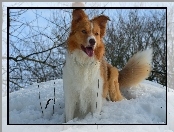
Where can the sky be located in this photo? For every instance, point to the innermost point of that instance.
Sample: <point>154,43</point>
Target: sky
<point>54,4</point>
<point>30,17</point>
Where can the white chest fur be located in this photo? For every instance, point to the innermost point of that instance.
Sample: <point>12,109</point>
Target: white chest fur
<point>83,85</point>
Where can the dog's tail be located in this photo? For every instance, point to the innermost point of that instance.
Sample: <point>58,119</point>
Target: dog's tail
<point>136,70</point>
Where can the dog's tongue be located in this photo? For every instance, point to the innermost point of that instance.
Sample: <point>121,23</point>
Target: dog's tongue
<point>89,51</point>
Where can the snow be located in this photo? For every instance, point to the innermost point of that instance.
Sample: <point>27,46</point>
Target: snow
<point>145,104</point>
<point>24,105</point>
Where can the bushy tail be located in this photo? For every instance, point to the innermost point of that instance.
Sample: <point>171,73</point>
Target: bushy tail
<point>136,70</point>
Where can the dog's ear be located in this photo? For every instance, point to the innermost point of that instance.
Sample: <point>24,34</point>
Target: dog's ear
<point>101,21</point>
<point>78,14</point>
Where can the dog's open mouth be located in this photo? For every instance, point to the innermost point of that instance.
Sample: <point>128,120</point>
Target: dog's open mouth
<point>89,50</point>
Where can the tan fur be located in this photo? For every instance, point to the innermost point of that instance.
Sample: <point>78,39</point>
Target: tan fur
<point>104,73</point>
<point>114,91</point>
<point>83,23</point>
<point>133,73</point>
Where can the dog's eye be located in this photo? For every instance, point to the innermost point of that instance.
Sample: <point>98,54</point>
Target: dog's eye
<point>96,34</point>
<point>84,31</point>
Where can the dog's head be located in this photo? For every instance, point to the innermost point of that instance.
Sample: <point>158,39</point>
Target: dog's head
<point>86,35</point>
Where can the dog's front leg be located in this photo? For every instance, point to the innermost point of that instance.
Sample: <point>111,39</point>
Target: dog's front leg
<point>69,107</point>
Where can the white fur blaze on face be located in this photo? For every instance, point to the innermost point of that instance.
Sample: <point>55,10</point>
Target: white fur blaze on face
<point>91,37</point>
<point>92,26</point>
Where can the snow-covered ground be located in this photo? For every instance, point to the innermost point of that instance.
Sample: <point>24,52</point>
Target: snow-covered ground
<point>146,104</point>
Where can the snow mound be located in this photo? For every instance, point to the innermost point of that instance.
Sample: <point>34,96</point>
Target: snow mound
<point>145,104</point>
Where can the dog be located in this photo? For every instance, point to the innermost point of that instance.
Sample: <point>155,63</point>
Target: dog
<point>88,79</point>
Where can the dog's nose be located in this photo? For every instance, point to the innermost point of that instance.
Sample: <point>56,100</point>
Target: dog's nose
<point>92,42</point>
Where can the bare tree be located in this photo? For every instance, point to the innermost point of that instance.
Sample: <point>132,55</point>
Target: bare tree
<point>36,52</point>
<point>133,31</point>
<point>37,44</point>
